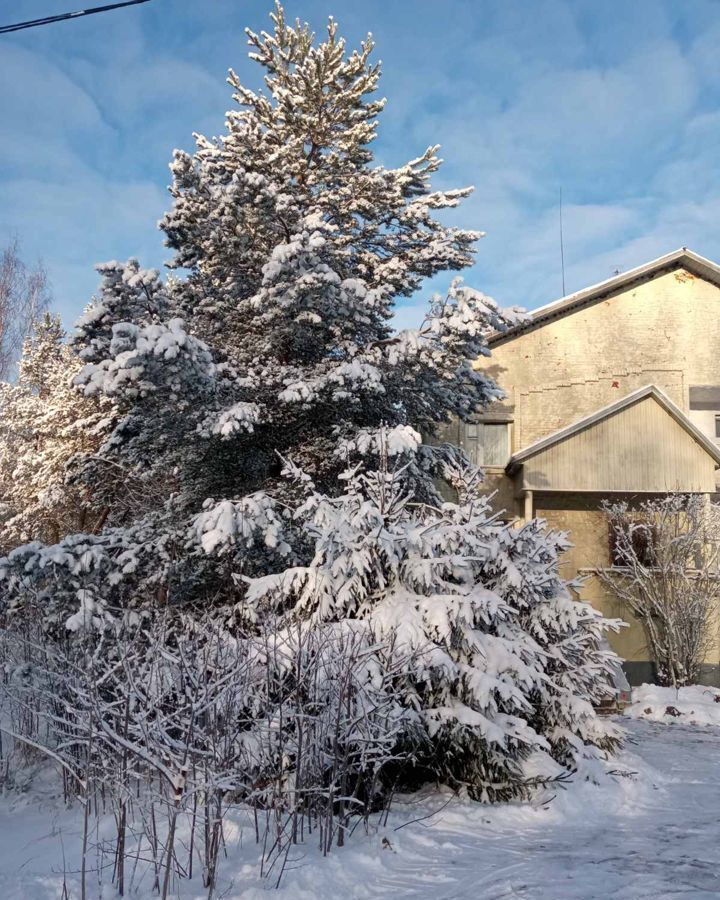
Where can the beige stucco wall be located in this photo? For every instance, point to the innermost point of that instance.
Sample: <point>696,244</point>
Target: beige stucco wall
<point>665,331</point>
<point>581,515</point>
<point>503,490</point>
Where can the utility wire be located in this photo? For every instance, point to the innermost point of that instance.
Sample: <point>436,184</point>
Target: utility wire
<point>48,20</point>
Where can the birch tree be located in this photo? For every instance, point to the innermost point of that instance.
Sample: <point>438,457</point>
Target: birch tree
<point>24,297</point>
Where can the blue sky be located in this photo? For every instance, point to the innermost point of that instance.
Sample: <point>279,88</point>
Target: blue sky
<point>616,101</point>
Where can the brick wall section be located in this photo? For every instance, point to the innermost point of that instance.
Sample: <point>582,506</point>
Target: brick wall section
<point>542,410</point>
<point>665,331</point>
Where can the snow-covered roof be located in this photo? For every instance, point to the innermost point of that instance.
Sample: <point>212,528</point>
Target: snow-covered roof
<point>605,412</point>
<point>682,258</point>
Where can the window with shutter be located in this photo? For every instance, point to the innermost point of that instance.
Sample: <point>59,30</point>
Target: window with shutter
<point>488,443</point>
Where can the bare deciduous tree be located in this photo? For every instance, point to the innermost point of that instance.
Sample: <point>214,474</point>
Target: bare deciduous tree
<point>24,296</point>
<point>666,554</point>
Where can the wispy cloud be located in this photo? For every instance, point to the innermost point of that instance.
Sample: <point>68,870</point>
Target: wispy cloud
<point>622,110</point>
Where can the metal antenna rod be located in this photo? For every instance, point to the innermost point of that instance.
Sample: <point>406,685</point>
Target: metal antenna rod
<point>562,248</point>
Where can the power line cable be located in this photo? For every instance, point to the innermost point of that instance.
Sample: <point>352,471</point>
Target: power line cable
<point>48,20</point>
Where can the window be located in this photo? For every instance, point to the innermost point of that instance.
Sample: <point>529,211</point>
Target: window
<point>488,443</point>
<point>705,409</point>
<point>632,539</point>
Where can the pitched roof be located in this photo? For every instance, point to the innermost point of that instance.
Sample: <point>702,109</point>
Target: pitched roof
<point>682,258</point>
<point>605,412</point>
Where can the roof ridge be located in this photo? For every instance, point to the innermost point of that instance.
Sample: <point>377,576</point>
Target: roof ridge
<point>702,266</point>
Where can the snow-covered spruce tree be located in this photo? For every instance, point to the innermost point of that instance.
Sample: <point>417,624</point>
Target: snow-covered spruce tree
<point>502,663</point>
<point>45,427</point>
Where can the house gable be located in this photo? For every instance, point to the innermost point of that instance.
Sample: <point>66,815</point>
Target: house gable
<point>659,324</point>
<point>683,260</point>
<point>642,443</point>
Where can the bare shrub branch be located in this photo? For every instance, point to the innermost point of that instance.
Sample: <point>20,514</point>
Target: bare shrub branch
<point>666,557</point>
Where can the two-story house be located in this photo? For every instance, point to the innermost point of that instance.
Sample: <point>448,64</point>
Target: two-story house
<point>611,392</point>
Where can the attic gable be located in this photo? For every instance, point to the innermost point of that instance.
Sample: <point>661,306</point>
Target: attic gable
<point>683,258</point>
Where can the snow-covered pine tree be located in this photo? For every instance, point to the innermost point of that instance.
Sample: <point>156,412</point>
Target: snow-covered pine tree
<point>502,663</point>
<point>278,344</point>
<point>298,248</point>
<point>279,340</point>
<point>46,427</point>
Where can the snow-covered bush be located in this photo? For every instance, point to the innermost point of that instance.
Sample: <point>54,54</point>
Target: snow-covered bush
<point>177,721</point>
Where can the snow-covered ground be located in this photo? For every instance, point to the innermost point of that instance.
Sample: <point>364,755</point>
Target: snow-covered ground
<point>654,834</point>
<point>696,705</point>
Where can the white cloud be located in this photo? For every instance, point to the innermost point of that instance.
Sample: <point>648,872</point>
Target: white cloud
<point>620,109</point>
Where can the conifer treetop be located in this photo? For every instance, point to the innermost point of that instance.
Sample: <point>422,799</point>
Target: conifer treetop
<point>296,157</point>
